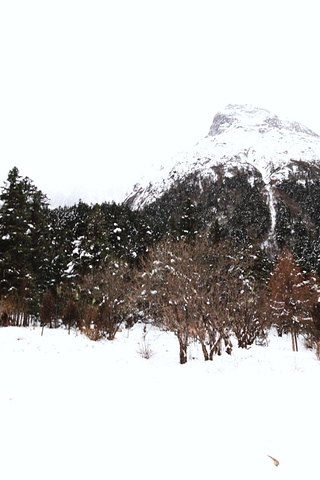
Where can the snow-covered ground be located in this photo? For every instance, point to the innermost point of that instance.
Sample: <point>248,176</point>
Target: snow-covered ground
<point>71,408</point>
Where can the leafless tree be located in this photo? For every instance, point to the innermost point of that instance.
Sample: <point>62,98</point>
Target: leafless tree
<point>211,326</point>
<point>71,315</point>
<point>179,288</point>
<point>205,291</point>
<point>233,302</point>
<point>166,288</point>
<point>106,295</point>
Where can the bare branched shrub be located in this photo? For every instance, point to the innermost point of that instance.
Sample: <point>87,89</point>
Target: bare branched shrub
<point>89,325</point>
<point>47,310</point>
<point>174,287</point>
<point>210,325</point>
<point>232,297</point>
<point>145,350</point>
<point>105,294</point>
<point>289,294</point>
<point>165,291</point>
<point>71,315</point>
<point>6,309</point>
<point>205,291</point>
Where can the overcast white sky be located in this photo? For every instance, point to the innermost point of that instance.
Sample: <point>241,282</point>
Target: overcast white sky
<point>94,92</point>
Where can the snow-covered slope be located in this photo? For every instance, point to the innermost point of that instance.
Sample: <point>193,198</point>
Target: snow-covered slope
<point>240,136</point>
<point>75,409</point>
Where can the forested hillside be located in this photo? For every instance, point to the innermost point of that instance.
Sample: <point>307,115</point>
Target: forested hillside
<point>200,267</point>
<point>44,249</point>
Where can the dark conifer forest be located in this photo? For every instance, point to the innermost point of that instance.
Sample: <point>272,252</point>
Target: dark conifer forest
<point>197,264</point>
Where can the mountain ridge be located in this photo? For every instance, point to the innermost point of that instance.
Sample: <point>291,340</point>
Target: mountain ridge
<point>254,178</point>
<point>239,136</point>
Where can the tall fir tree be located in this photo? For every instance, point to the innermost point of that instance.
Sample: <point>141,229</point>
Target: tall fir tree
<point>189,224</point>
<point>23,244</point>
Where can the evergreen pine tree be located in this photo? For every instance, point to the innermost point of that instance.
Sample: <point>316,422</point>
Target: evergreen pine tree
<point>188,226</point>
<point>23,244</point>
<point>91,248</point>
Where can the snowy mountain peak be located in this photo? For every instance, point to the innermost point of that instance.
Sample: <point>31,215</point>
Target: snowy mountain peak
<point>249,117</point>
<point>241,136</point>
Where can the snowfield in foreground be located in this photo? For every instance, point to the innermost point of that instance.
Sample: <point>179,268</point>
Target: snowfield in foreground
<point>71,408</point>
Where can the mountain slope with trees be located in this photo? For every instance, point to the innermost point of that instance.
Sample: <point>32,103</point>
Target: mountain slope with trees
<point>215,257</point>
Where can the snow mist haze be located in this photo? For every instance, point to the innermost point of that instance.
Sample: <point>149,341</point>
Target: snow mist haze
<point>93,96</point>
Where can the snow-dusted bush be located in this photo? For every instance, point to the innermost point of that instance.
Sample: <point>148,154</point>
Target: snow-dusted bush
<point>289,297</point>
<point>145,350</point>
<point>105,297</point>
<point>204,291</point>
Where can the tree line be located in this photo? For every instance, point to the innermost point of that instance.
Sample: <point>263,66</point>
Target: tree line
<point>97,267</point>
<point>43,248</point>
